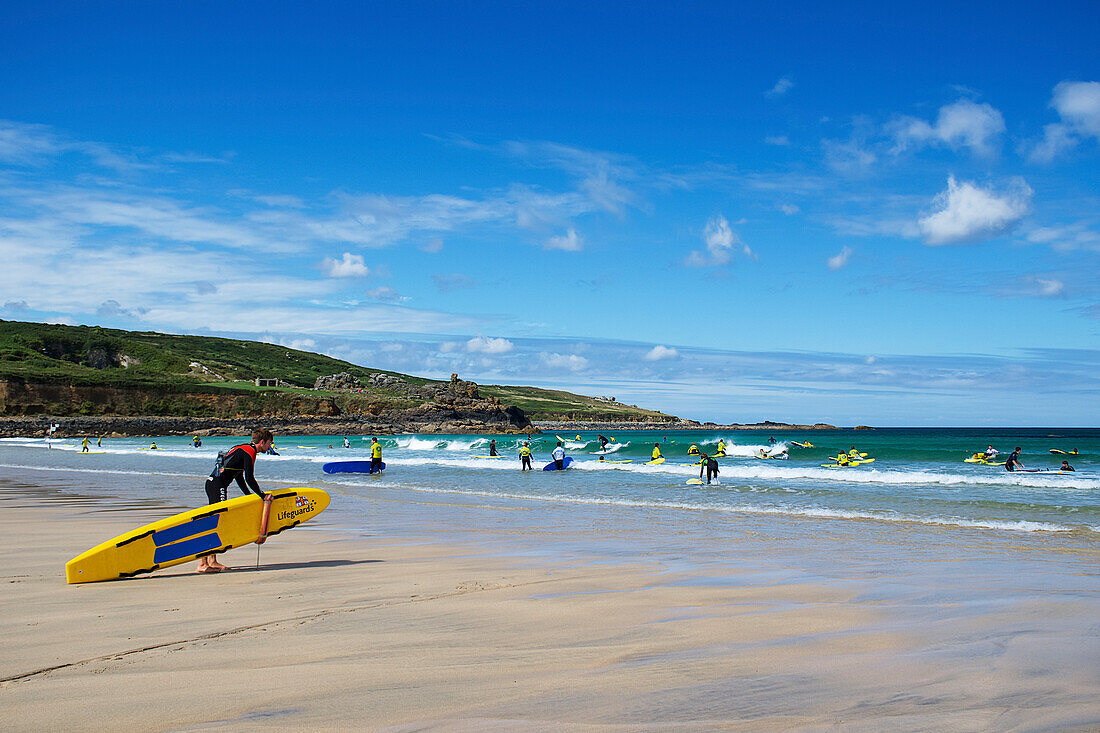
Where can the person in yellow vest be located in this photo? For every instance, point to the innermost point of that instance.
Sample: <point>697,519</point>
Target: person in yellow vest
<point>375,455</point>
<point>853,452</point>
<point>721,448</point>
<point>656,451</point>
<point>693,450</point>
<point>84,445</point>
<point>525,457</point>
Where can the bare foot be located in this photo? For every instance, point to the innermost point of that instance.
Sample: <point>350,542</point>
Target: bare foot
<point>208,569</point>
<point>218,566</point>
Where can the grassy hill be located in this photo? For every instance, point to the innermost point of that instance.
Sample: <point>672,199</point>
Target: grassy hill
<point>185,375</point>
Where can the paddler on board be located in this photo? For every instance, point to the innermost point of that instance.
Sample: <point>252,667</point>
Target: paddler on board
<point>656,451</point>
<point>236,464</point>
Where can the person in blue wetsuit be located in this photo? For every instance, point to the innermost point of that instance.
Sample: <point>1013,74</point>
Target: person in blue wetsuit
<point>236,464</point>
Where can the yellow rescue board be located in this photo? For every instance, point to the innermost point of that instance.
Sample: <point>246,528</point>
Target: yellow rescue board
<point>211,529</point>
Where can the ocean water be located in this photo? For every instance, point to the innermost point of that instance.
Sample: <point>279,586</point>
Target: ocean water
<point>918,476</point>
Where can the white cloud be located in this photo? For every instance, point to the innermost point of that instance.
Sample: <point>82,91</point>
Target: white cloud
<point>1050,288</point>
<point>572,362</point>
<point>966,213</point>
<point>781,87</point>
<point>350,266</point>
<point>850,157</point>
<point>720,240</point>
<point>433,246</point>
<point>1066,238</point>
<point>789,209</point>
<point>777,140</point>
<point>961,124</point>
<point>454,281</point>
<point>386,294</point>
<point>483,345</point>
<point>840,259</point>
<point>570,242</point>
<point>1078,104</point>
<point>449,347</point>
<point>659,353</point>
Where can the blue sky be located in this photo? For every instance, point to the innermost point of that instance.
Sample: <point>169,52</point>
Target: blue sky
<point>799,211</point>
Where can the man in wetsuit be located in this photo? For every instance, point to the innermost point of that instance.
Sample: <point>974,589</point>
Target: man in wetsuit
<point>375,456</point>
<point>493,447</point>
<point>1013,462</point>
<point>525,457</point>
<point>1066,467</point>
<point>709,465</point>
<point>236,464</point>
<point>603,442</point>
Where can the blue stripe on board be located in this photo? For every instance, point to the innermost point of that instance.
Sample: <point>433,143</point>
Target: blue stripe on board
<point>204,543</point>
<point>182,531</point>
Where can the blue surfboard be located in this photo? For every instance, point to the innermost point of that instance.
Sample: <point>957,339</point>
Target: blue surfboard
<point>552,466</point>
<point>349,467</point>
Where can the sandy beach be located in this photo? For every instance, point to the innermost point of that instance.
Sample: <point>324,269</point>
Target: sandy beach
<point>455,616</point>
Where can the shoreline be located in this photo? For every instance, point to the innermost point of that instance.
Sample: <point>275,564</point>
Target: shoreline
<point>527,618</point>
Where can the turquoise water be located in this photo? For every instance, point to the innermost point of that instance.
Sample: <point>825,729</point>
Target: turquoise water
<point>918,476</point>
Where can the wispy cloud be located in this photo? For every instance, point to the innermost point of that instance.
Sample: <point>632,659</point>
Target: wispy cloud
<point>454,281</point>
<point>1078,104</point>
<point>781,87</point>
<point>569,242</point>
<point>963,124</point>
<point>840,259</point>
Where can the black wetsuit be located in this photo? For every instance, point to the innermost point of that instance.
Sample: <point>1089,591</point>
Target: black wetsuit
<point>603,442</point>
<point>711,467</point>
<point>1013,461</point>
<point>492,447</point>
<point>237,466</point>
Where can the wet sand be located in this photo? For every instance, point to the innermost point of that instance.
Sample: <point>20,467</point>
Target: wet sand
<point>414,629</point>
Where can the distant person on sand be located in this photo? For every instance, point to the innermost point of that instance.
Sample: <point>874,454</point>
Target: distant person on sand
<point>84,445</point>
<point>525,457</point>
<point>493,447</point>
<point>1013,462</point>
<point>236,464</point>
<point>709,465</point>
<point>1066,466</point>
<point>559,456</point>
<point>375,456</point>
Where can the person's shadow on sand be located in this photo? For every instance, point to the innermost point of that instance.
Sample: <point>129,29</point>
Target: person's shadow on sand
<point>239,569</point>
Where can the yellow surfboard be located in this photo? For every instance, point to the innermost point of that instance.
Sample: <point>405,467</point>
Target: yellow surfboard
<point>212,529</point>
<point>656,461</point>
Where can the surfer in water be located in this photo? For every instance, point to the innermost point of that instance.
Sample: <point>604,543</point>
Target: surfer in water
<point>525,457</point>
<point>84,446</point>
<point>236,464</point>
<point>1066,466</point>
<point>603,442</point>
<point>375,456</point>
<point>559,456</point>
<point>493,446</point>
<point>709,465</point>
<point>1013,462</point>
